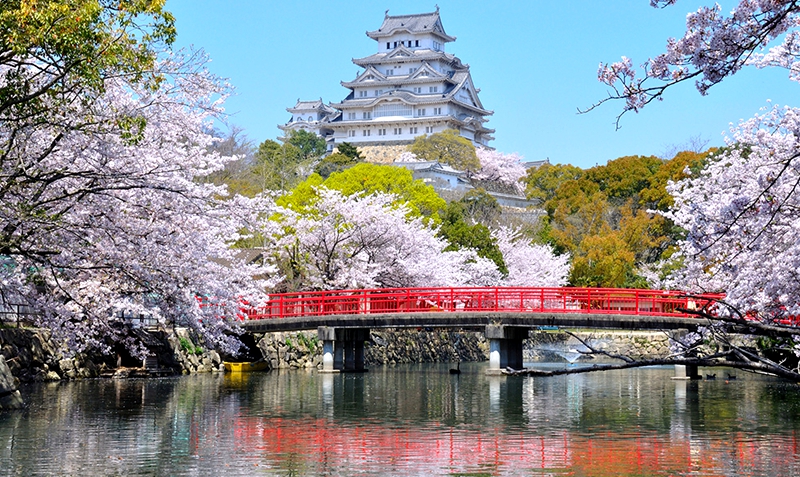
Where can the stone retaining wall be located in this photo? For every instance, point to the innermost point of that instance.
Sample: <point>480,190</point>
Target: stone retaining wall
<point>31,355</point>
<point>550,346</point>
<point>302,349</point>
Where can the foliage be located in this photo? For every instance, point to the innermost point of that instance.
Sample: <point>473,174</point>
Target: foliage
<point>542,182</point>
<point>336,162</point>
<point>479,207</point>
<point>604,216</point>
<point>54,53</point>
<point>447,147</point>
<point>364,179</point>
<point>310,145</point>
<point>189,347</point>
<point>350,151</point>
<point>461,235</point>
<point>277,166</point>
<point>624,177</point>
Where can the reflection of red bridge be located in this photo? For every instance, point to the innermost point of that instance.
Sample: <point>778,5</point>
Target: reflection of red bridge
<point>506,314</point>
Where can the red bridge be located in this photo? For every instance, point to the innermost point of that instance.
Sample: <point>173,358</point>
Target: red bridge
<point>343,318</point>
<point>329,307</point>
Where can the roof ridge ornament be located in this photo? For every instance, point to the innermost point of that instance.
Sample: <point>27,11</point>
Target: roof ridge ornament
<point>386,15</point>
<point>437,8</point>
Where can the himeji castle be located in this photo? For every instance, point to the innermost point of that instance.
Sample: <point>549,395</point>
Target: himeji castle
<point>410,87</point>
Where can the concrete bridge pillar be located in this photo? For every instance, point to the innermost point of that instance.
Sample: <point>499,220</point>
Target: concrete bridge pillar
<point>342,348</point>
<point>505,347</point>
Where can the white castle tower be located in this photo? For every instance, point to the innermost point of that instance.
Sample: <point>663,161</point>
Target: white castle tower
<point>410,87</point>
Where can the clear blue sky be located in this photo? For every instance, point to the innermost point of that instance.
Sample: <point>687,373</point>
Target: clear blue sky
<point>535,62</point>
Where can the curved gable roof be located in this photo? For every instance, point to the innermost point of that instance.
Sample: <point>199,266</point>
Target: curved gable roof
<point>417,23</point>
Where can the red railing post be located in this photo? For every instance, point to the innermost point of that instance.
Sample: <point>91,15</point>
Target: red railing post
<point>636,306</point>
<point>496,298</point>
<point>588,300</point>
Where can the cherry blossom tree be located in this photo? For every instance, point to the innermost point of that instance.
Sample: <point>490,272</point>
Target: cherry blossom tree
<point>101,212</point>
<point>506,169</point>
<point>740,212</point>
<point>713,47</point>
<point>363,241</point>
<point>529,264</point>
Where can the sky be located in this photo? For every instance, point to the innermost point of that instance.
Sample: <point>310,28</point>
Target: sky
<point>535,62</point>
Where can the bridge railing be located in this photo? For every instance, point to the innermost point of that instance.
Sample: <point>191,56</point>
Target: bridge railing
<point>477,299</point>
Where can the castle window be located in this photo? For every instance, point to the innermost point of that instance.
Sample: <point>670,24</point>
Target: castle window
<point>421,112</point>
<point>411,70</point>
<point>362,93</point>
<point>393,109</point>
<point>351,116</point>
<point>433,89</point>
<point>428,129</point>
<point>395,44</point>
<point>416,43</point>
<point>388,47</point>
<point>418,90</point>
<point>366,115</point>
<point>398,131</point>
<point>412,130</point>
<point>381,132</point>
<point>365,132</point>
<point>389,72</point>
<point>310,119</point>
<point>437,111</point>
<point>351,133</point>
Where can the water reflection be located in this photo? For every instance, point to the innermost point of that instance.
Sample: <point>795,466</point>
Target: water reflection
<point>406,420</point>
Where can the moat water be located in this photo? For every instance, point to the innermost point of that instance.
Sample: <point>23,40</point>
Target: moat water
<point>407,420</point>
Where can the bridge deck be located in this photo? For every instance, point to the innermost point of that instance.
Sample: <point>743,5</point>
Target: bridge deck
<point>475,320</point>
<point>478,307</point>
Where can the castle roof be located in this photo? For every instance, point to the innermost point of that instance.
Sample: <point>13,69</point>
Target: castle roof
<point>417,23</point>
<point>316,105</point>
<point>401,54</point>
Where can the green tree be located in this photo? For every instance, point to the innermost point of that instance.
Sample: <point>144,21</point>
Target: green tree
<point>310,145</point>
<point>277,166</point>
<point>625,177</point>
<point>447,147</point>
<point>542,182</point>
<point>350,151</point>
<point>54,54</point>
<point>335,162</point>
<point>365,178</point>
<point>480,207</point>
<point>460,234</point>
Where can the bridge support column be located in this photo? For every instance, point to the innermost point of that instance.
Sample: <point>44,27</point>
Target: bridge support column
<point>686,371</point>
<point>505,347</point>
<point>342,348</point>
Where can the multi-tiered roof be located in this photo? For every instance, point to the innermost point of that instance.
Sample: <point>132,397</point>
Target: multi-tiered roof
<point>410,87</point>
